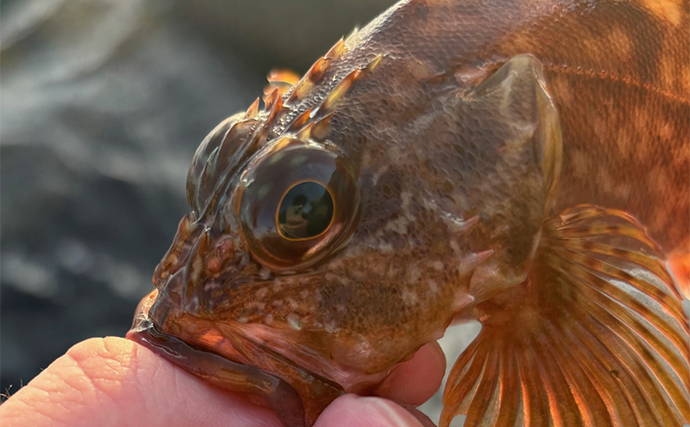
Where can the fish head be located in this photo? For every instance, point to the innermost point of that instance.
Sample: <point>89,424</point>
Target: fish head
<point>286,245</point>
<point>316,257</point>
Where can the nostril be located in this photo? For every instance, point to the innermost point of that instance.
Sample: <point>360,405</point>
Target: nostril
<point>213,266</point>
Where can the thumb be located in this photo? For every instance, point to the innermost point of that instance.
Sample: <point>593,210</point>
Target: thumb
<point>354,411</point>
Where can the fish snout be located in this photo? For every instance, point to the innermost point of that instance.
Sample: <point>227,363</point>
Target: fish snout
<point>197,268</point>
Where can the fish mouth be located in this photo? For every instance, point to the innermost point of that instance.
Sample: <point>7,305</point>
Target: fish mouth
<point>296,395</point>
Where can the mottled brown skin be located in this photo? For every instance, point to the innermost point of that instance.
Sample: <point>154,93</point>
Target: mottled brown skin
<point>618,73</point>
<point>457,163</point>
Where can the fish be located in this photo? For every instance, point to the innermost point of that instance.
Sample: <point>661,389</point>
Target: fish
<point>522,163</point>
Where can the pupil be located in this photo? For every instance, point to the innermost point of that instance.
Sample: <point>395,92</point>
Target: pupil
<point>305,211</point>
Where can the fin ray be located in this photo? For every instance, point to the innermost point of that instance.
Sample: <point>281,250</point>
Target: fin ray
<point>623,388</point>
<point>536,412</point>
<point>582,382</point>
<point>674,334</point>
<point>660,295</point>
<point>644,373</point>
<point>658,410</point>
<point>561,402</point>
<point>484,393</point>
<point>625,321</point>
<point>613,301</point>
<point>508,400</point>
<point>468,358</point>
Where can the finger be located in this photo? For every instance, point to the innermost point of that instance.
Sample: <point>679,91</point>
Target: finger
<point>354,411</point>
<point>415,381</point>
<point>114,381</point>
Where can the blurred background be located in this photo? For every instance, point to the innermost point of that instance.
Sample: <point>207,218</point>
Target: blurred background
<point>103,103</point>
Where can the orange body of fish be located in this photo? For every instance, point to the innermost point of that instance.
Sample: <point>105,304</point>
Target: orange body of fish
<point>522,163</point>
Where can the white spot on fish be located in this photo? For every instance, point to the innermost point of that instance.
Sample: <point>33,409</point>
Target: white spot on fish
<point>409,297</point>
<point>330,327</point>
<point>385,247</point>
<point>436,265</point>
<point>433,287</point>
<point>454,247</point>
<point>380,171</point>
<point>294,321</point>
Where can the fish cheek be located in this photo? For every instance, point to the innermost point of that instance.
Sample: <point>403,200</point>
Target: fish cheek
<point>395,288</point>
<point>368,307</point>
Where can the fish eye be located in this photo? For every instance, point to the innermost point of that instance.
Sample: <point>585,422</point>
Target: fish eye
<point>305,212</point>
<point>299,204</point>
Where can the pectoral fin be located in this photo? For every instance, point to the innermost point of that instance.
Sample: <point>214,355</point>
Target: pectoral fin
<point>596,336</point>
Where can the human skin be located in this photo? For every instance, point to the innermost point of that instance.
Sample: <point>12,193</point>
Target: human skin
<point>116,382</point>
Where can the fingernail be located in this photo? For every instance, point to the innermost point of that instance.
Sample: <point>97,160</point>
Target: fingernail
<point>391,414</point>
<point>354,411</point>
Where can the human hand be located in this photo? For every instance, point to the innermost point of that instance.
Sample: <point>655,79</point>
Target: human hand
<point>116,382</point>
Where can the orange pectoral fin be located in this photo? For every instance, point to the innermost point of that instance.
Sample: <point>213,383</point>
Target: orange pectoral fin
<point>596,336</point>
<point>679,265</point>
